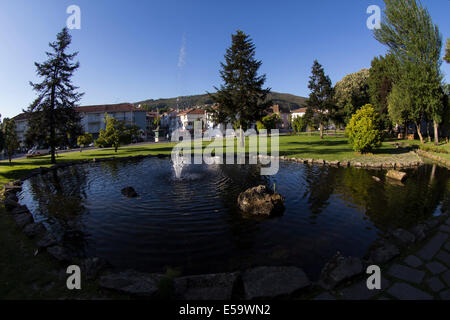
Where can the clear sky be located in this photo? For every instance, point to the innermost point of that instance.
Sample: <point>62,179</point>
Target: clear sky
<point>135,50</point>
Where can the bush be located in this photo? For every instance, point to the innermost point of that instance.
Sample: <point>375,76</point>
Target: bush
<point>85,140</point>
<point>364,130</point>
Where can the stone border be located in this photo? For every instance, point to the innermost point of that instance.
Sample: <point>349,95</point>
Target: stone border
<point>434,157</point>
<point>255,283</point>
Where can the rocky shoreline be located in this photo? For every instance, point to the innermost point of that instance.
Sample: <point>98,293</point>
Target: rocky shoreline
<point>265,282</point>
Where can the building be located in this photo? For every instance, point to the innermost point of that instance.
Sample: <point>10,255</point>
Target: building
<point>92,118</point>
<point>284,116</point>
<point>298,113</point>
<point>189,116</point>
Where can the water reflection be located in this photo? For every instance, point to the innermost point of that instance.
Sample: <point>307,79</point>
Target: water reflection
<point>193,223</point>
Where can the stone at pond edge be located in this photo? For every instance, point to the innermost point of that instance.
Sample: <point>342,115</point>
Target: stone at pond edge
<point>205,287</point>
<point>396,175</point>
<point>261,200</point>
<point>132,282</point>
<point>47,240</point>
<point>271,282</point>
<point>34,229</point>
<point>403,237</point>
<point>129,192</point>
<point>338,269</point>
<point>10,204</point>
<point>382,252</point>
<point>59,253</point>
<point>93,266</point>
<point>23,219</point>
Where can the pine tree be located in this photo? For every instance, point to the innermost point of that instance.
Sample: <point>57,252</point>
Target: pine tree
<point>321,97</point>
<point>241,98</point>
<point>2,139</point>
<point>52,113</point>
<point>447,51</point>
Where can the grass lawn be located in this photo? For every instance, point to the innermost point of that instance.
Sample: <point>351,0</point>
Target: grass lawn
<point>24,275</point>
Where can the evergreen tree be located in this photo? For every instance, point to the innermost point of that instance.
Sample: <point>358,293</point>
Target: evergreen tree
<point>52,113</point>
<point>320,100</point>
<point>11,143</point>
<point>380,81</point>
<point>241,98</point>
<point>416,43</point>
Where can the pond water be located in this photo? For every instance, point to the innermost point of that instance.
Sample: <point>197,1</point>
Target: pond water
<point>193,223</point>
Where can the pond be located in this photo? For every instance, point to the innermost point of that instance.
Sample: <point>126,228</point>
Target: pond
<point>193,224</point>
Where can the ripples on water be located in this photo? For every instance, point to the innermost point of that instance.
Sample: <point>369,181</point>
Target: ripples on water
<point>193,223</point>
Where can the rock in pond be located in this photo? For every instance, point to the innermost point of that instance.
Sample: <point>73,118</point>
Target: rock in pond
<point>396,175</point>
<point>129,192</point>
<point>338,269</point>
<point>10,204</point>
<point>271,282</point>
<point>47,240</point>
<point>132,282</point>
<point>403,237</point>
<point>261,200</point>
<point>205,287</point>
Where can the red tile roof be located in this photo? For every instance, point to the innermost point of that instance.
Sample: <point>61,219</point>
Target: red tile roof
<point>300,110</point>
<point>191,111</point>
<point>122,107</point>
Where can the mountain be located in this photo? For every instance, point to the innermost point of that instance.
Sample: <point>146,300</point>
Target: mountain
<point>286,101</point>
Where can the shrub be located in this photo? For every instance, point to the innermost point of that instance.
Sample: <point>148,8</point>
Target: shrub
<point>299,124</point>
<point>85,140</point>
<point>364,130</point>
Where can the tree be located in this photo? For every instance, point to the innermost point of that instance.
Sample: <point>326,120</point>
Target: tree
<point>364,130</point>
<point>53,110</point>
<point>447,51</point>
<point>241,98</point>
<point>399,104</point>
<point>299,124</point>
<point>380,81</point>
<point>2,140</point>
<point>116,133</point>
<point>321,97</point>
<point>84,140</point>
<point>11,142</point>
<point>351,93</point>
<point>416,43</point>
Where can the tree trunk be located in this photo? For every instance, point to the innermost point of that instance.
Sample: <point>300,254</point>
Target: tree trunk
<point>419,132</point>
<point>241,134</point>
<point>321,131</point>
<point>428,132</point>
<point>436,132</point>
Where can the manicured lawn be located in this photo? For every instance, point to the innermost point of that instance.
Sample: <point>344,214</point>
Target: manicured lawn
<point>300,146</point>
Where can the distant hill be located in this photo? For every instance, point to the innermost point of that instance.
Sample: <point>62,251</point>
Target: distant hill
<point>286,101</point>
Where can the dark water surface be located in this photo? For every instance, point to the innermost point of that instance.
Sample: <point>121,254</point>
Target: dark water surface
<point>193,224</point>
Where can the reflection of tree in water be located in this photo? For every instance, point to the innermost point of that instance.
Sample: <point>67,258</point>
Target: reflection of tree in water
<point>60,195</point>
<point>320,183</point>
<point>391,205</point>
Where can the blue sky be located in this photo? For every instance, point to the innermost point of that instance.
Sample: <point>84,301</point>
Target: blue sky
<point>130,50</point>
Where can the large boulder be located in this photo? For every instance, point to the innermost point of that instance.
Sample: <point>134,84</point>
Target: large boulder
<point>60,253</point>
<point>10,204</point>
<point>132,282</point>
<point>338,269</point>
<point>271,282</point>
<point>129,192</point>
<point>261,200</point>
<point>396,175</point>
<point>403,237</point>
<point>205,287</point>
